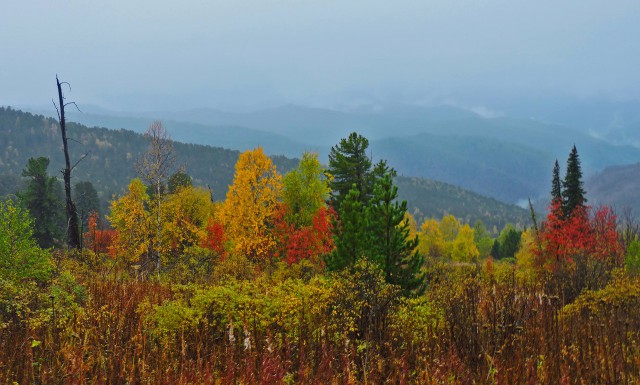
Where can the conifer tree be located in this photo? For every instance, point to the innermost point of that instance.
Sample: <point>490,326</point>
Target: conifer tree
<point>43,199</point>
<point>389,243</point>
<point>556,187</point>
<point>573,193</point>
<point>349,232</point>
<point>349,165</point>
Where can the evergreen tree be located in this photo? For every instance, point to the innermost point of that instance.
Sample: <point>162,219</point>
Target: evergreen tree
<point>177,181</point>
<point>86,198</point>
<point>389,243</point>
<point>43,198</point>
<point>509,241</point>
<point>349,165</point>
<point>495,250</point>
<point>573,193</point>
<point>349,232</point>
<point>556,187</point>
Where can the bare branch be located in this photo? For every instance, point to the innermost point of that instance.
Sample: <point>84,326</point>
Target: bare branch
<point>80,160</point>
<point>74,140</point>
<point>74,103</point>
<point>56,107</point>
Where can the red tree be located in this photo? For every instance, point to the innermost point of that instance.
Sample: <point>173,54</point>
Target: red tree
<point>96,239</point>
<point>306,242</point>
<point>215,238</point>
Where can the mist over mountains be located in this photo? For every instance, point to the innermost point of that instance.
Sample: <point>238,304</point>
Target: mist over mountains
<point>505,156</point>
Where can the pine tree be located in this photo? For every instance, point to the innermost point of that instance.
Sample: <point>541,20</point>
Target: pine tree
<point>43,198</point>
<point>389,243</point>
<point>556,187</point>
<point>349,232</point>
<point>86,199</point>
<point>573,193</point>
<point>349,165</point>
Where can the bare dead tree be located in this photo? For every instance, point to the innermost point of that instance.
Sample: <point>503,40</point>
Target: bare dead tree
<point>73,231</point>
<point>154,167</point>
<point>628,226</point>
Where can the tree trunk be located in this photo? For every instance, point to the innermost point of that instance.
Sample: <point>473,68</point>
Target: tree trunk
<point>73,235</point>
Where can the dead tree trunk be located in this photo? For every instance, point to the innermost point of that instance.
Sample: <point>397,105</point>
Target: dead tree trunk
<point>73,234</point>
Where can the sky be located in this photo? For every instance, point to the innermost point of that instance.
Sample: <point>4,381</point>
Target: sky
<point>249,54</point>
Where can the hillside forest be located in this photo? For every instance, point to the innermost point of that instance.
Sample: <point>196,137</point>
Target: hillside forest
<point>306,273</point>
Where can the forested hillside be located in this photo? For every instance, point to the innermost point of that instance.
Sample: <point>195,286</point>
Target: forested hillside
<point>109,164</point>
<point>112,154</point>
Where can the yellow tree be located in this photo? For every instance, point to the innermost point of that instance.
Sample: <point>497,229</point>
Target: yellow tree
<point>248,212</point>
<point>184,219</point>
<point>131,220</point>
<point>449,226</point>
<point>431,242</point>
<point>463,248</point>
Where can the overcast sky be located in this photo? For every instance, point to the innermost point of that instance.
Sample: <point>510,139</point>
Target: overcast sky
<point>235,54</point>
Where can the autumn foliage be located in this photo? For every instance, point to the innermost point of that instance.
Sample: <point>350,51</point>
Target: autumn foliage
<point>243,295</point>
<point>97,239</point>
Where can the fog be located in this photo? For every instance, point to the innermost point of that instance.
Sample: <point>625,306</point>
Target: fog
<point>251,54</point>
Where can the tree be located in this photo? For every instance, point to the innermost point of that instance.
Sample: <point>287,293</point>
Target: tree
<point>97,238</point>
<point>349,232</point>
<point>184,219</point>
<point>431,242</point>
<point>177,181</point>
<point>449,226</point>
<point>349,165</point>
<point>248,212</point>
<point>154,167</point>
<point>21,259</point>
<point>131,220</point>
<point>389,243</point>
<point>306,189</point>
<point>482,238</point>
<point>509,241</point>
<point>573,194</point>
<point>556,187</point>
<point>579,250</point>
<point>73,230</point>
<point>43,199</point>
<point>463,247</point>
<point>86,199</point>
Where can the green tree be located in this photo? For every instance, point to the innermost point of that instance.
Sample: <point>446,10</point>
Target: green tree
<point>43,198</point>
<point>350,236</point>
<point>306,190</point>
<point>573,194</point>
<point>482,238</point>
<point>177,181</point>
<point>389,242</point>
<point>349,165</point>
<point>21,259</point>
<point>509,241</point>
<point>86,199</point>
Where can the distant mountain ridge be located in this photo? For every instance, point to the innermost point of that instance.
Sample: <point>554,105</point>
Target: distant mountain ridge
<point>112,153</point>
<point>617,186</point>
<point>507,158</point>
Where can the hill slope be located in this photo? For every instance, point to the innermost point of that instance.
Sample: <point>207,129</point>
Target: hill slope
<point>112,153</point>
<point>617,186</point>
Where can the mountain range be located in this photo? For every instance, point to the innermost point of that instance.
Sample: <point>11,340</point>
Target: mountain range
<point>508,158</point>
<point>112,153</point>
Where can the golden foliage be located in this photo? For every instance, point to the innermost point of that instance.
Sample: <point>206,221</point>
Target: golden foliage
<point>251,203</point>
<point>131,220</point>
